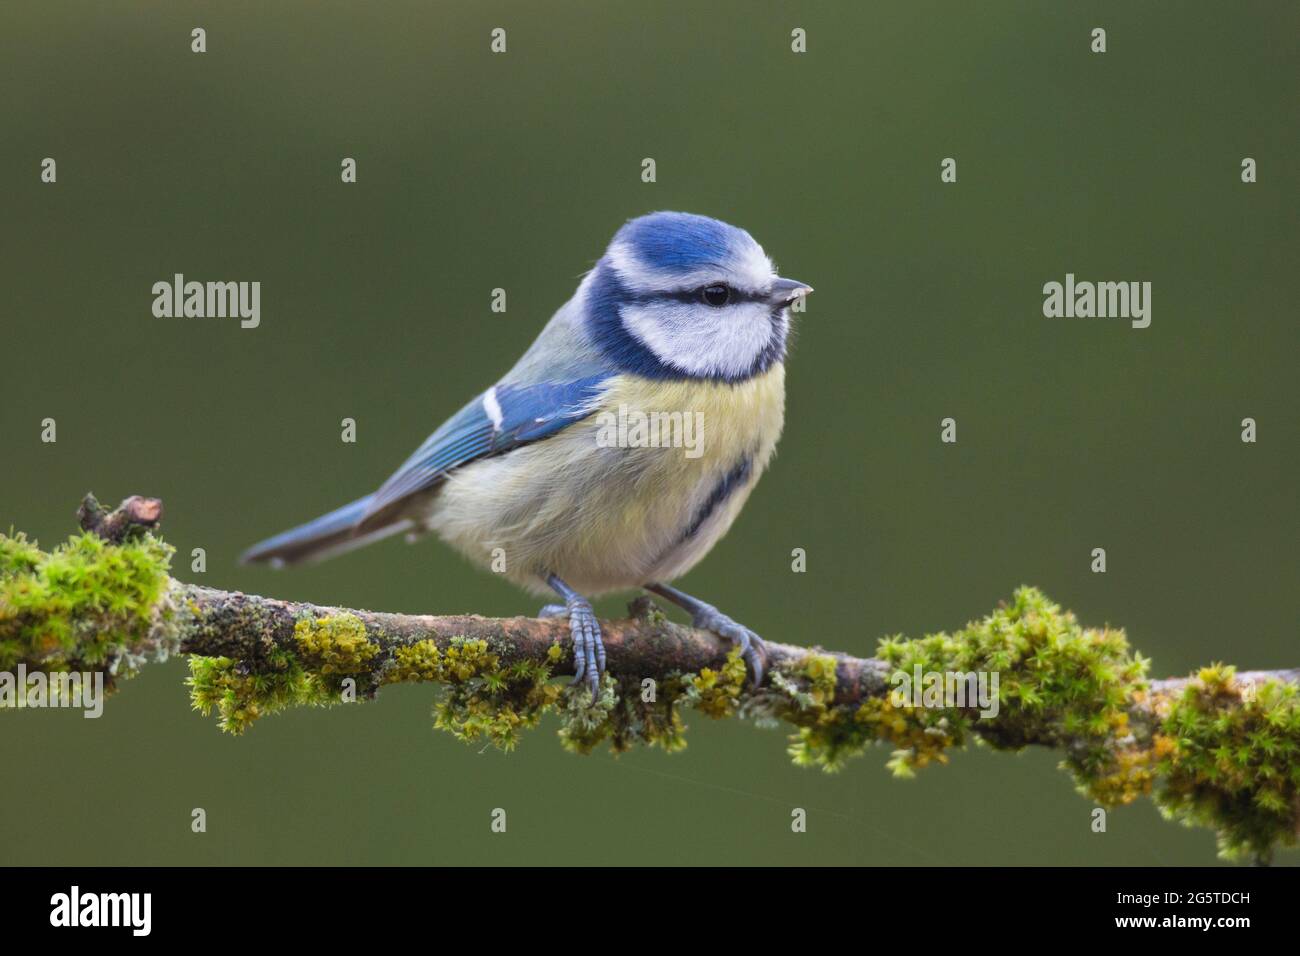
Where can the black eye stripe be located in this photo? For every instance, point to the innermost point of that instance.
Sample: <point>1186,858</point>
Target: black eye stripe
<point>692,296</point>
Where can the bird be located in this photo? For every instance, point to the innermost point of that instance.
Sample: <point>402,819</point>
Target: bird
<point>682,315</point>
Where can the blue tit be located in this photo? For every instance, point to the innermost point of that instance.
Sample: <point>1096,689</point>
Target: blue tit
<point>682,322</point>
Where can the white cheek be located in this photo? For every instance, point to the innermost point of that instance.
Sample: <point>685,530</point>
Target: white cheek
<point>723,341</point>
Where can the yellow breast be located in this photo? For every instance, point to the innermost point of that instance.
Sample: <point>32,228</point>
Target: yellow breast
<point>719,421</point>
<point>607,503</point>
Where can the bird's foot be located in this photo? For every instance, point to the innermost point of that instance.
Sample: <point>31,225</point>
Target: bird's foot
<point>752,649</point>
<point>588,648</point>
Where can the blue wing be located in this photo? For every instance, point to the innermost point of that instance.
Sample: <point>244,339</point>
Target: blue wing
<point>557,382</point>
<point>504,417</point>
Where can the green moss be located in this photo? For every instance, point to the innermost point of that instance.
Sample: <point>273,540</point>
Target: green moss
<point>655,723</point>
<point>240,695</point>
<point>87,605</point>
<point>1228,760</point>
<point>485,701</point>
<point>329,651</point>
<point>586,723</point>
<point>629,719</point>
<point>1220,759</point>
<point>829,733</point>
<point>1057,681</point>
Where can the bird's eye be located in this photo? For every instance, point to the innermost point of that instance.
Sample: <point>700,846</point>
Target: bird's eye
<point>715,295</point>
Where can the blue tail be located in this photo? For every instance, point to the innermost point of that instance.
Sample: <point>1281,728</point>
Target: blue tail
<point>322,538</point>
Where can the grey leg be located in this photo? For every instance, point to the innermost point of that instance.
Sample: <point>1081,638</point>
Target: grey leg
<point>709,618</point>
<point>588,649</point>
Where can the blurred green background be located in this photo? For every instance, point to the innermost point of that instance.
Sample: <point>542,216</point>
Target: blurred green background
<point>480,170</point>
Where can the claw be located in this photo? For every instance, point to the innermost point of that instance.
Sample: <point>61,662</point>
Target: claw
<point>579,647</point>
<point>588,648</point>
<point>752,649</point>
<point>708,618</point>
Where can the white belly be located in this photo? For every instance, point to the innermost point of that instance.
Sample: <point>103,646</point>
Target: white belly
<point>612,518</point>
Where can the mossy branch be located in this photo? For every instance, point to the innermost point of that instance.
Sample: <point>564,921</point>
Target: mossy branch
<point>1217,748</point>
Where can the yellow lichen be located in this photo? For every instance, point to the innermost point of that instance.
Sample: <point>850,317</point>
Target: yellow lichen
<point>335,645</point>
<point>421,661</point>
<point>719,691</point>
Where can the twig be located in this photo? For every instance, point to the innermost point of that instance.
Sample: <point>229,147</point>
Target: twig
<point>643,645</point>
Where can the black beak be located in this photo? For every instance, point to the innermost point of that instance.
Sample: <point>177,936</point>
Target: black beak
<point>784,291</point>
